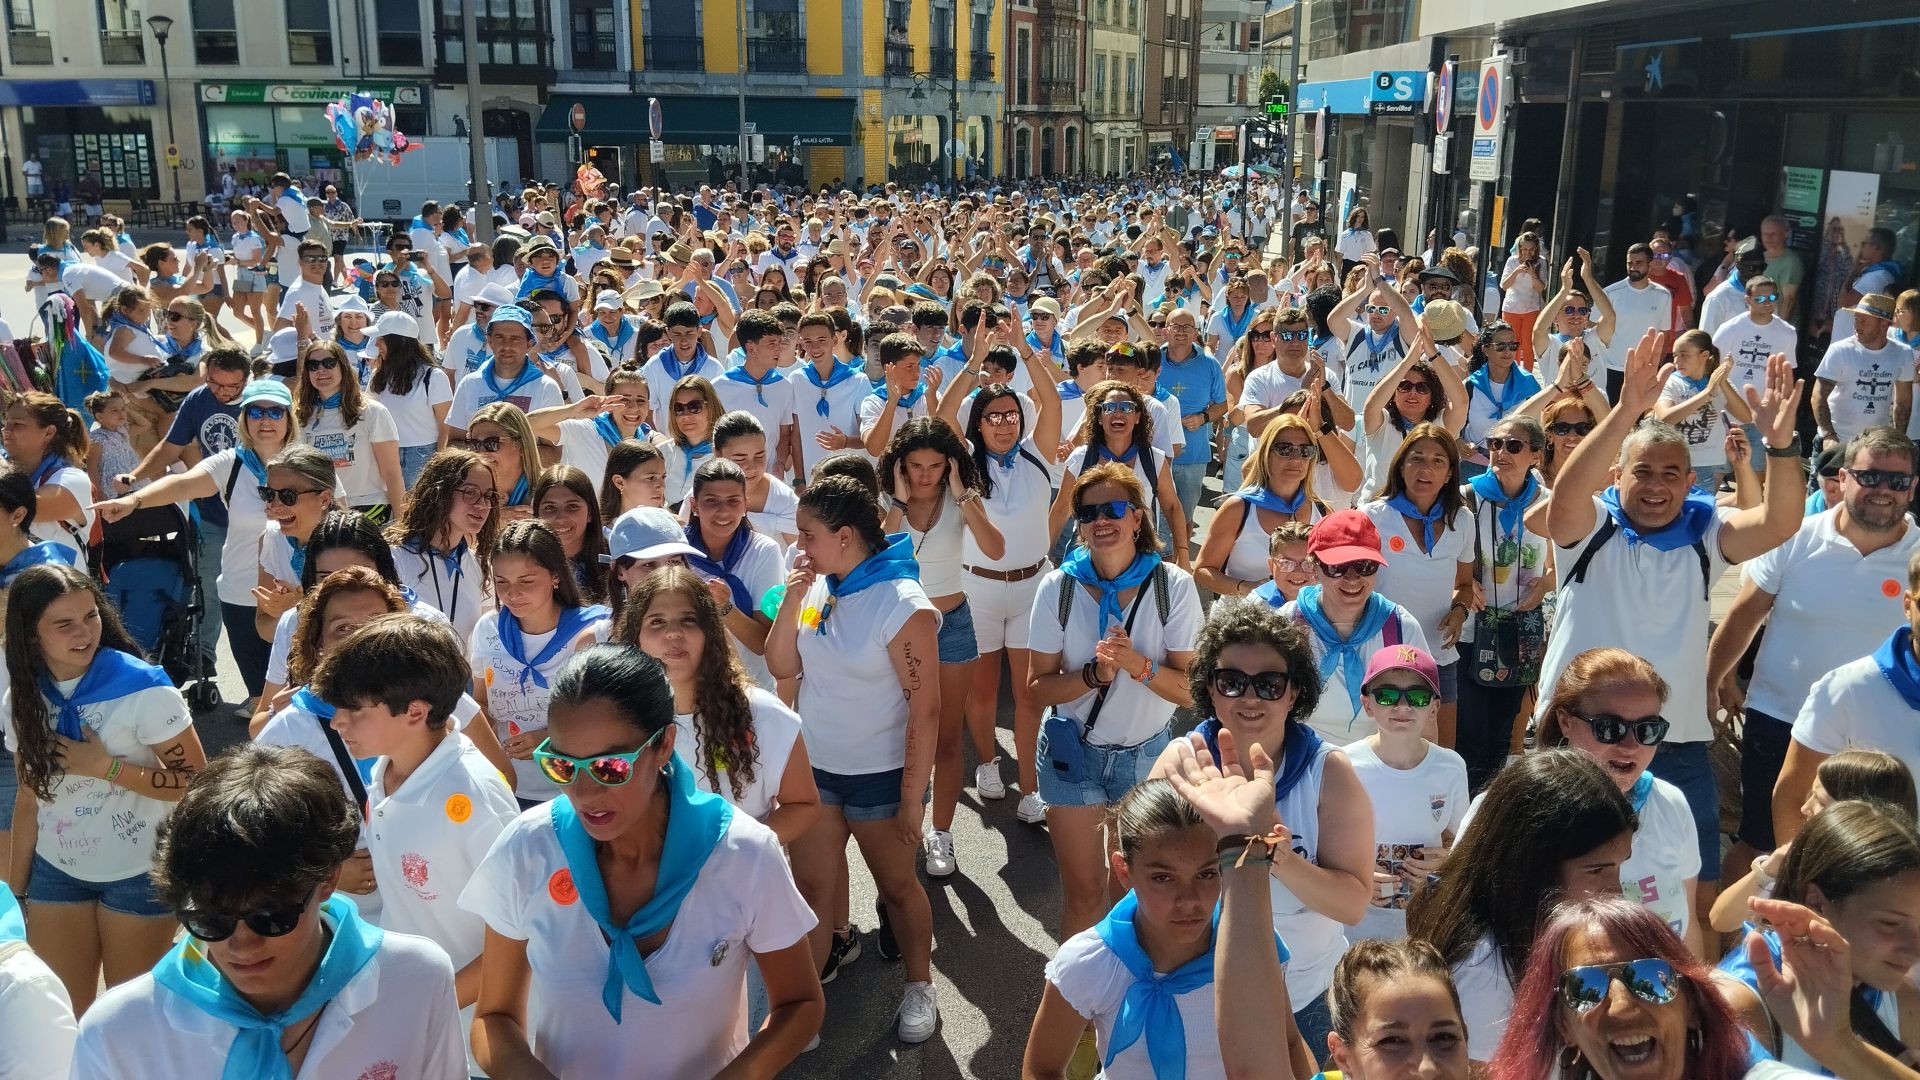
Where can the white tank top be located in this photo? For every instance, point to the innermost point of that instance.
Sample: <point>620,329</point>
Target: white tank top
<point>1315,940</point>
<point>938,549</point>
<point>1018,507</point>
<point>1247,559</point>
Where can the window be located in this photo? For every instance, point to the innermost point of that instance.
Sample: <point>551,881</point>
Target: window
<point>940,34</point>
<point>1133,14</point>
<point>1133,77</point>
<point>1099,78</point>
<point>309,32</point>
<point>26,42</point>
<point>590,24</point>
<point>397,34</point>
<point>1022,67</point>
<point>216,39</point>
<point>123,37</point>
<point>511,32</point>
<point>775,18</point>
<point>898,14</point>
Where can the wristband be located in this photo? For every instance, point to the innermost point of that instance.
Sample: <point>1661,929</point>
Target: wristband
<point>113,770</point>
<point>1762,879</point>
<point>1147,675</point>
<point>1791,450</point>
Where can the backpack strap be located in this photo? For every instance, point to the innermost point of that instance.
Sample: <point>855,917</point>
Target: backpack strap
<point>1706,569</point>
<point>232,479</point>
<point>1161,601</point>
<point>1038,464</point>
<point>1579,571</point>
<point>1066,598</point>
<point>1390,631</point>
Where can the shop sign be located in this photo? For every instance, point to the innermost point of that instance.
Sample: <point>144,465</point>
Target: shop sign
<point>1801,192</point>
<point>263,93</point>
<point>813,140</point>
<point>1396,93</point>
<point>30,92</point>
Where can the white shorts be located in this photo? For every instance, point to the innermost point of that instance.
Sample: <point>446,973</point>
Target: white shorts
<point>122,372</point>
<point>1002,610</point>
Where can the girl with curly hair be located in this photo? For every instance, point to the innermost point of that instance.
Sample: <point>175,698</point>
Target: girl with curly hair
<point>443,544</point>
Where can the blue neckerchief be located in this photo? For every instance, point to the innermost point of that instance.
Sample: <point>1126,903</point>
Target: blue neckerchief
<point>1519,387</point>
<point>1897,664</point>
<point>362,363</point>
<point>13,925</point>
<point>449,560</point>
<point>724,567</point>
<point>1071,391</point>
<point>190,351</point>
<point>299,557</point>
<point>618,343</point>
<point>521,493</point>
<point>331,401</point>
<point>1341,653</point>
<point>1057,347</point>
<point>305,698</point>
<point>1270,593</point>
<point>1298,750</point>
<point>1316,339</point>
<point>1006,460</point>
<point>670,362</point>
<point>696,823</point>
<point>610,431</point>
<point>895,562</point>
<point>1512,510</point>
<point>842,371</point>
<point>572,621</point>
<point>246,456</point>
<point>112,675</point>
<point>1426,518</point>
<point>255,1054</point>
<point>495,392</point>
<point>1378,344</point>
<point>1736,964</point>
<point>40,554</point>
<point>690,454</point>
<point>44,470</point>
<point>739,374</point>
<point>907,402</point>
<point>1104,454</point>
<point>532,282</point>
<point>1079,567</point>
<point>1151,1006</point>
<point>418,222</point>
<point>1686,529</point>
<point>117,321</point>
<point>1694,386</point>
<point>1265,499</point>
<point>1638,793</point>
<point>1236,327</point>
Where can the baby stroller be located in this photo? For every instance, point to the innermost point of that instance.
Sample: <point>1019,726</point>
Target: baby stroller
<point>148,561</point>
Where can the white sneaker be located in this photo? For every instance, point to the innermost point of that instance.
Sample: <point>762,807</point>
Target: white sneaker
<point>986,779</point>
<point>1031,810</point>
<point>919,1015</point>
<point>940,861</point>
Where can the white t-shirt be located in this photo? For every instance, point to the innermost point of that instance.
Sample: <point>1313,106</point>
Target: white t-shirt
<point>743,902</point>
<point>1412,808</point>
<point>1368,359</point>
<point>276,556</point>
<point>1705,429</point>
<point>1094,982</point>
<point>295,726</point>
<point>301,293</point>
<point>1746,345</point>
<point>777,410</point>
<point>760,569</point>
<point>1863,382</point>
<point>1831,605</point>
<point>90,282</point>
<point>466,350</point>
<point>471,392</point>
<point>848,687</point>
<point>37,1028</point>
<point>397,1017</point>
<point>1267,386</point>
<point>1168,436</point>
<point>1525,293</point>
<point>843,412</point>
<point>515,703</point>
<point>1420,581</point>
<point>776,518</point>
<point>1636,311</point>
<point>1486,999</point>
<point>352,449</point>
<point>1018,508</point>
<point>80,486</point>
<point>1655,600</point>
<point>1132,713</point>
<point>246,520</point>
<point>91,829</point>
<point>1855,707</point>
<point>412,412</point>
<point>872,405</point>
<point>1600,355</point>
<point>1337,717</point>
<point>456,592</point>
<point>938,548</point>
<point>660,385</point>
<point>776,729</point>
<point>583,447</point>
<point>1723,302</point>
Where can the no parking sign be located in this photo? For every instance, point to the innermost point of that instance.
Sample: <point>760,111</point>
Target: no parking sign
<point>1489,120</point>
<point>1443,99</point>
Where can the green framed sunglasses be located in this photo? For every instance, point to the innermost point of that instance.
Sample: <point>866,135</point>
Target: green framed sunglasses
<point>607,770</point>
<point>1388,696</point>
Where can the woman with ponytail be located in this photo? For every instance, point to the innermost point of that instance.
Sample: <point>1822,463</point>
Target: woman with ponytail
<point>1279,489</point>
<point>49,441</point>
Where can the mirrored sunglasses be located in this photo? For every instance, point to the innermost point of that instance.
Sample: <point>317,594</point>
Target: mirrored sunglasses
<point>1652,980</point>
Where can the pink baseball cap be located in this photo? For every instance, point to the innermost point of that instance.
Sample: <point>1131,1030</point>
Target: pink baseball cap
<point>1403,658</point>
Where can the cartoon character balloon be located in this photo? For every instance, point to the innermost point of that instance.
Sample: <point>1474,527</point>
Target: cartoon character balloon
<point>363,128</point>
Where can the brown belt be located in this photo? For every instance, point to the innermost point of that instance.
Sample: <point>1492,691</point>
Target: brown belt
<point>1021,574</point>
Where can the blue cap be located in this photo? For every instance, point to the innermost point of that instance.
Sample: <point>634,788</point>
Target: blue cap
<point>514,314</point>
<point>271,391</point>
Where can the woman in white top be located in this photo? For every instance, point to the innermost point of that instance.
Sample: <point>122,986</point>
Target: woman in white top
<point>235,476</point>
<point>1421,389</point>
<point>693,410</point>
<point>739,438</point>
<point>357,434</point>
<point>516,648</point>
<point>1254,678</point>
<point>1523,285</point>
<point>1279,489</point>
<point>1697,400</point>
<point>564,499</point>
<point>299,491</point>
<point>1550,827</point>
<point>636,476</point>
<point>589,428</point>
<point>579,977</point>
<point>858,631</point>
<point>48,441</point>
<point>499,432</point>
<point>132,348</point>
<point>1112,634</point>
<point>735,553</point>
<point>1606,704</point>
<point>415,391</point>
<point>1117,427</point>
<point>935,485</point>
<point>103,744</point>
<point>1355,240</point>
<point>1429,546</point>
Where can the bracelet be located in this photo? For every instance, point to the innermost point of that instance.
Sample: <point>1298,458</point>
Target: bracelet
<point>1090,675</point>
<point>113,770</point>
<point>967,496</point>
<point>1764,880</point>
<point>1147,675</point>
<point>900,506</point>
<point>1791,450</point>
<point>1266,845</point>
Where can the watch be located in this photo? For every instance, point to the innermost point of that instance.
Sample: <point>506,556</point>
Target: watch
<point>1791,450</point>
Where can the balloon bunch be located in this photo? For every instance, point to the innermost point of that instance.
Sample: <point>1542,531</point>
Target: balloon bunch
<point>363,127</point>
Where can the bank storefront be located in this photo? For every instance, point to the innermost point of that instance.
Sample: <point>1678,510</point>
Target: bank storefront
<point>259,128</point>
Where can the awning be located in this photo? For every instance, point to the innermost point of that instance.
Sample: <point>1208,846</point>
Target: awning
<point>622,119</point>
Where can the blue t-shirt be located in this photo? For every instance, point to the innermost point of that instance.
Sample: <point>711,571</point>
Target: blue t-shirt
<point>1198,383</point>
<point>204,421</point>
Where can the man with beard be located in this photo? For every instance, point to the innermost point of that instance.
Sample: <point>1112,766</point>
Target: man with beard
<point>1639,305</point>
<point>1638,562</point>
<point>1827,596</point>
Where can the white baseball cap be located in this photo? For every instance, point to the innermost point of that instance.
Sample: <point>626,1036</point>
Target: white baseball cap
<point>647,533</point>
<point>395,324</point>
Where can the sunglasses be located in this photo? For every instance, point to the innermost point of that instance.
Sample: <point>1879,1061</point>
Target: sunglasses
<point>1362,567</point>
<point>1571,310</point>
<point>1379,309</point>
<point>1503,346</point>
<point>483,496</point>
<point>1418,697</point>
<point>1303,451</point>
<point>267,922</point>
<point>1652,980</point>
<point>1763,298</point>
<point>1609,729</point>
<point>1157,324</point>
<point>1294,566</point>
<point>1561,430</point>
<point>287,496</point>
<point>1295,335</point>
<point>1510,446</point>
<point>314,260</point>
<point>266,412</point>
<point>489,445</point>
<point>483,308</point>
<point>1112,510</point>
<point>1266,685</point>
<point>1408,386</point>
<point>1260,335</point>
<point>607,770</point>
<point>323,363</point>
<point>388,284</point>
<point>1119,408</point>
<point>1887,478</point>
<point>689,408</point>
<point>177,316</point>
<point>1002,419</point>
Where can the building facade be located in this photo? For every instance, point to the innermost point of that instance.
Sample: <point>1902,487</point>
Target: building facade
<point>1046,115</point>
<point>1171,45</point>
<point>1115,53</point>
<point>1228,91</point>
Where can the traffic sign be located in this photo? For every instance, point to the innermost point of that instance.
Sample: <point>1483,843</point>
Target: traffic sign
<point>173,155</point>
<point>656,123</point>
<point>1489,121</point>
<point>577,116</point>
<point>750,128</point>
<point>1443,99</point>
<point>656,151</point>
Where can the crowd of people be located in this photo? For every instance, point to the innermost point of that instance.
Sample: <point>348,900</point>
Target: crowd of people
<point>594,584</point>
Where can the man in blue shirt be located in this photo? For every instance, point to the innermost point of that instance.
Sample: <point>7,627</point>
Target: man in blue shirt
<point>1195,380</point>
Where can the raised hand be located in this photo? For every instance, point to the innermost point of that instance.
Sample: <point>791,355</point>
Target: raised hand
<point>1233,798</point>
<point>1774,410</point>
<point>1645,374</point>
<point>1809,994</point>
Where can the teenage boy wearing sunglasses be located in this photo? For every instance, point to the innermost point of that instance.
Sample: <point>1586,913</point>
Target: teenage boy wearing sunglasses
<point>1418,790</point>
<point>276,972</point>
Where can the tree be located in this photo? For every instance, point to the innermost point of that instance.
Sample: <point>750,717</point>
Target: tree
<point>1272,85</point>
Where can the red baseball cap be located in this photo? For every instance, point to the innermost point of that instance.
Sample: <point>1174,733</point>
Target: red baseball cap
<point>1345,536</point>
<point>1403,658</point>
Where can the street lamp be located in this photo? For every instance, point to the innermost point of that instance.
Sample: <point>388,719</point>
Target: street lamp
<point>162,26</point>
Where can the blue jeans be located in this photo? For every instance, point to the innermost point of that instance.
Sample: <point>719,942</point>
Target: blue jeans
<point>956,641</point>
<point>1111,772</point>
<point>1686,766</point>
<point>412,460</point>
<point>1188,481</point>
<point>211,540</point>
<point>1315,1021</point>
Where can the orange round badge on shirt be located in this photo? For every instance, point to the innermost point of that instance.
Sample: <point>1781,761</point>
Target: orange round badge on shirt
<point>1397,544</point>
<point>560,887</point>
<point>1890,588</point>
<point>459,808</point>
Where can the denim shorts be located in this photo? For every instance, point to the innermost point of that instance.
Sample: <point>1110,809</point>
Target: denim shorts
<point>1450,683</point>
<point>412,460</point>
<point>861,796</point>
<point>1686,766</point>
<point>1111,772</point>
<point>9,787</point>
<point>128,896</point>
<point>957,645</point>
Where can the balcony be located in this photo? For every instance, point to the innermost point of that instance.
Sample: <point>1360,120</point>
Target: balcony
<point>980,66</point>
<point>899,58</point>
<point>940,61</point>
<point>123,47</point>
<point>676,53</point>
<point>1179,30</point>
<point>30,46</point>
<point>1062,9</point>
<point>1057,94</point>
<point>777,55</point>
